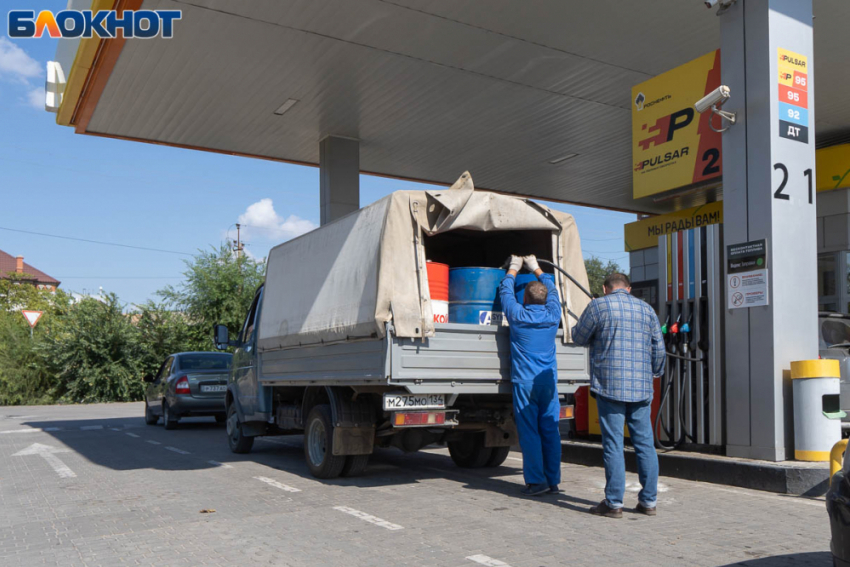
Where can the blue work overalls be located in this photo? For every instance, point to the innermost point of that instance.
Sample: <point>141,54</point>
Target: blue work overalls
<point>534,377</point>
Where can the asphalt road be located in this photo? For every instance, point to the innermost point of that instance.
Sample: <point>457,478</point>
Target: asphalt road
<point>93,485</point>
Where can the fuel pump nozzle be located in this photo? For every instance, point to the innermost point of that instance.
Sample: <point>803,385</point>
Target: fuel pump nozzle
<point>686,330</point>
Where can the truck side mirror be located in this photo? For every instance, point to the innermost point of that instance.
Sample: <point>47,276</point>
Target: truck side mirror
<point>221,337</point>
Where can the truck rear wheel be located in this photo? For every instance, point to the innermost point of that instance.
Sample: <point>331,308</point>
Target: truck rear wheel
<point>318,444</point>
<point>470,452</point>
<point>355,465</point>
<point>500,454</point>
<point>236,438</point>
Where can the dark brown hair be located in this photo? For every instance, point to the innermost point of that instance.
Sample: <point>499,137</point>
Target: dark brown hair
<point>615,280</point>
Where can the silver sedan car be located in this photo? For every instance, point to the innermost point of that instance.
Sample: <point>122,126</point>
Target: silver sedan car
<point>187,384</point>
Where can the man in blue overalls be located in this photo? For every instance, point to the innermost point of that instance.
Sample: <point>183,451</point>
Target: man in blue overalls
<point>534,374</point>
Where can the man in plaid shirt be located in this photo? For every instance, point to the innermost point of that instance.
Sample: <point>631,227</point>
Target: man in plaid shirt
<point>626,352</point>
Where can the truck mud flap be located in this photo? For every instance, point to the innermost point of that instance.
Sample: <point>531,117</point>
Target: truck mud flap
<point>353,440</point>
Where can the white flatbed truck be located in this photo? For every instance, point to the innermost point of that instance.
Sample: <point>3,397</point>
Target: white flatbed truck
<point>340,345</point>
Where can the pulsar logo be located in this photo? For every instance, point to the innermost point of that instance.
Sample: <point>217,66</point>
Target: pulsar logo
<point>104,24</point>
<point>666,126</point>
<point>662,132</point>
<point>796,61</point>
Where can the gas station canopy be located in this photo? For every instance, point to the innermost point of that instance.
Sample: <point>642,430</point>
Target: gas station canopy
<point>532,97</point>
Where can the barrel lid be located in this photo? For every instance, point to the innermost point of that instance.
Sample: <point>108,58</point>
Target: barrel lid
<point>821,368</point>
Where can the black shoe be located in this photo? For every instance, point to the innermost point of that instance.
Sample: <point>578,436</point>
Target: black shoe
<point>534,489</point>
<point>554,489</point>
<point>641,509</point>
<point>602,509</point>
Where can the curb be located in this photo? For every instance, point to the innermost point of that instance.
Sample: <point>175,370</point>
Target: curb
<point>784,478</point>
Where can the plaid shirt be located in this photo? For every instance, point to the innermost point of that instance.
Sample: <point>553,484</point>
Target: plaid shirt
<point>626,346</point>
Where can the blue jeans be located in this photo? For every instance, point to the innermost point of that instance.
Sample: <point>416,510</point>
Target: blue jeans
<point>613,416</point>
<point>536,412</point>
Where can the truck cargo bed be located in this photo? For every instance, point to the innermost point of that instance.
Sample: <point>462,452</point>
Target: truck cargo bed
<point>460,359</point>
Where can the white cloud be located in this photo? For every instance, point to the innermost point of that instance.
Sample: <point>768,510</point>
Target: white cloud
<point>261,221</point>
<point>15,63</point>
<point>35,98</point>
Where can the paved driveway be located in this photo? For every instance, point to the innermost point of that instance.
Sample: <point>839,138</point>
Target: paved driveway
<point>92,485</point>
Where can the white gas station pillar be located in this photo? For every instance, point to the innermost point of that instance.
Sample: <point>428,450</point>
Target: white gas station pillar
<point>768,194</point>
<point>339,177</point>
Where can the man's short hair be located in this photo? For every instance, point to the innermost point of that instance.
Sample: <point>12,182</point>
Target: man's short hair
<point>615,281</point>
<point>535,294</point>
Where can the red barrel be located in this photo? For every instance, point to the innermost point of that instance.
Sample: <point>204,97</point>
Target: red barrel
<point>438,283</point>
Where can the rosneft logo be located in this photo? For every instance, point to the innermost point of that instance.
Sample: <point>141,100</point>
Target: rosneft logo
<point>641,103</point>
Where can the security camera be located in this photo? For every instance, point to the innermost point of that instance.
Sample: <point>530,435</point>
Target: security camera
<point>713,101</point>
<point>724,4</point>
<point>715,98</point>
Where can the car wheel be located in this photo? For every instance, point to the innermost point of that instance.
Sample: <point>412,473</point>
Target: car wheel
<point>238,441</point>
<point>318,444</point>
<point>169,420</point>
<point>469,452</point>
<point>355,465</point>
<point>150,418</point>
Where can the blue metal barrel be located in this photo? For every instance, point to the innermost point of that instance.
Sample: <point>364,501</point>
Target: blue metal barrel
<point>474,295</point>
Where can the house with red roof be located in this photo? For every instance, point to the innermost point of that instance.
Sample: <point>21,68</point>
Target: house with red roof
<point>12,267</point>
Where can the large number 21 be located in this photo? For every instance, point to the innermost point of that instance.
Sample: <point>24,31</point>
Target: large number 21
<point>778,194</point>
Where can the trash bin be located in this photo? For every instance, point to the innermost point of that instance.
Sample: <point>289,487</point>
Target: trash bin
<point>817,409</point>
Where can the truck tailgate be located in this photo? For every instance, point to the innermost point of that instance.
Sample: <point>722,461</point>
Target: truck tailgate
<point>473,358</point>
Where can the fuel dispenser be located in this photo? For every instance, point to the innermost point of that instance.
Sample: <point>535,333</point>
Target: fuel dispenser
<point>691,392</point>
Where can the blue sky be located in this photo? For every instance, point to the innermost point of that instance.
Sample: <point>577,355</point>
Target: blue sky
<point>57,182</point>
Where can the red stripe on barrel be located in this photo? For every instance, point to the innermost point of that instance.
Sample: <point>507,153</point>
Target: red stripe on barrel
<point>438,280</point>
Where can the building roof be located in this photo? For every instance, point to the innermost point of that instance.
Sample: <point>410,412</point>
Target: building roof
<point>8,264</point>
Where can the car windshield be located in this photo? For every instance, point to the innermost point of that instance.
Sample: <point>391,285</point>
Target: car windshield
<point>834,332</point>
<point>212,361</point>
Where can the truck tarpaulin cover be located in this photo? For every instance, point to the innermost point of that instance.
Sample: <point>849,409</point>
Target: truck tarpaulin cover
<point>347,279</point>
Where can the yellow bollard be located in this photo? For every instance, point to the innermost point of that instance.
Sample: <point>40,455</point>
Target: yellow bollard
<point>836,457</point>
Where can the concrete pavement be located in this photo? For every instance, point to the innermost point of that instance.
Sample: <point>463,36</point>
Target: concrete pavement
<point>92,485</point>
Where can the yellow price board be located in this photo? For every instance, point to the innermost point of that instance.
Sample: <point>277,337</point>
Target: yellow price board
<point>672,145</point>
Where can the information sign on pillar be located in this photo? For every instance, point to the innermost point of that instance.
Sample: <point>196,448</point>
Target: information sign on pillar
<point>793,96</point>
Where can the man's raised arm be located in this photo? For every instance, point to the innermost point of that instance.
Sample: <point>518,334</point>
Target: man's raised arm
<point>510,306</point>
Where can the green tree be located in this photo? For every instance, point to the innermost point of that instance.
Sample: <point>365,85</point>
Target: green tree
<point>597,272</point>
<point>23,376</point>
<point>95,356</point>
<point>218,288</point>
<point>161,333</point>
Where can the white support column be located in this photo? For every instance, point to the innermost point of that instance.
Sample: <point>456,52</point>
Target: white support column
<point>768,193</point>
<point>339,173</point>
